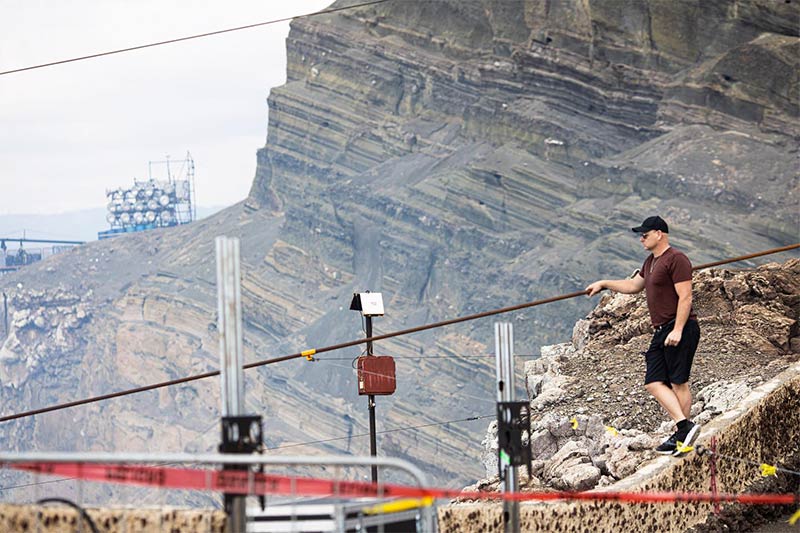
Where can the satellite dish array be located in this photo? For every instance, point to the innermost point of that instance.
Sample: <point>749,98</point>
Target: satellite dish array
<point>152,203</point>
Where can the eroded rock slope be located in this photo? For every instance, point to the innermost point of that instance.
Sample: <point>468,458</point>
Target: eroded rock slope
<point>593,422</point>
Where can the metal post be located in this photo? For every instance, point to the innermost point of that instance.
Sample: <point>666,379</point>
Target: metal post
<point>373,442</point>
<point>229,309</point>
<point>504,350</point>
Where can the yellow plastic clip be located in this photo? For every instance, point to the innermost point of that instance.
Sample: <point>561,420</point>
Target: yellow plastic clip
<point>768,470</point>
<point>794,518</point>
<point>679,446</point>
<point>399,505</point>
<point>574,422</point>
<point>612,431</point>
<point>308,354</point>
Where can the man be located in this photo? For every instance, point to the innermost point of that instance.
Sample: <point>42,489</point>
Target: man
<point>666,275</point>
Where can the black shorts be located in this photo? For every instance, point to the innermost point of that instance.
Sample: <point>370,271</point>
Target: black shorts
<point>672,364</point>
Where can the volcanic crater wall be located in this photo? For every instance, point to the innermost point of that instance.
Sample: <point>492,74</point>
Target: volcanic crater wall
<point>457,156</point>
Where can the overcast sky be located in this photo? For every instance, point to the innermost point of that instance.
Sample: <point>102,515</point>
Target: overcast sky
<point>71,131</point>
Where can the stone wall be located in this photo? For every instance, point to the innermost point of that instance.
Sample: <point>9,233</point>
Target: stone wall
<point>63,519</point>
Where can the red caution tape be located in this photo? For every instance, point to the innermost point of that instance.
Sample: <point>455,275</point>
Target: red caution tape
<point>254,483</point>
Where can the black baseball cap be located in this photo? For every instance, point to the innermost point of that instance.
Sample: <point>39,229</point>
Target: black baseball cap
<point>652,223</point>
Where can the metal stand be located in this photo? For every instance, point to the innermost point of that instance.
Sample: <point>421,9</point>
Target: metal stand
<point>373,440</point>
<point>370,304</point>
<point>509,424</point>
<point>240,434</point>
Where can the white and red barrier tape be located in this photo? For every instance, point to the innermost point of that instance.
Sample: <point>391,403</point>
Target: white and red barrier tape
<point>254,483</point>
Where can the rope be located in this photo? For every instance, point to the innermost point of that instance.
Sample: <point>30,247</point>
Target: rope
<point>393,430</point>
<point>311,352</point>
<point>764,468</point>
<point>189,37</point>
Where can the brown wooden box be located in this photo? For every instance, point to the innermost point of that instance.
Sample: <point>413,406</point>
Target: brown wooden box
<point>376,375</point>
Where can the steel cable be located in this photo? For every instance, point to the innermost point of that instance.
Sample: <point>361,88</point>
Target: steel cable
<point>703,450</point>
<point>189,37</point>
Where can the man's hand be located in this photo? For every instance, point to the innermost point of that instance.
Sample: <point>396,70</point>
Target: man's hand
<point>625,286</point>
<point>595,287</point>
<point>674,338</point>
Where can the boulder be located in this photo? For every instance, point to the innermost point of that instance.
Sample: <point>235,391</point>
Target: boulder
<point>571,467</point>
<point>489,450</point>
<point>621,462</point>
<point>543,444</point>
<point>719,397</point>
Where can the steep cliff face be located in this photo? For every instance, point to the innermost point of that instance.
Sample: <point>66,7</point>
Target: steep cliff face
<point>533,132</point>
<point>457,156</point>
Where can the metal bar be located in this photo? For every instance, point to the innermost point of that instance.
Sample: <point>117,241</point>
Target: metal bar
<point>712,460</point>
<point>373,440</point>
<point>508,360</point>
<point>47,241</point>
<point>504,339</point>
<point>229,309</point>
<point>214,458</point>
<point>230,459</point>
<point>748,256</point>
<point>219,245</point>
<point>498,366</point>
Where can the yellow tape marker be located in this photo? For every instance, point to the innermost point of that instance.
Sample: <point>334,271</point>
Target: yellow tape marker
<point>574,423</point>
<point>794,518</point>
<point>399,505</point>
<point>308,354</point>
<point>768,470</point>
<point>683,449</point>
<point>612,430</point>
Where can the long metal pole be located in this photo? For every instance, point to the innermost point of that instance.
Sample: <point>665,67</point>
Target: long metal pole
<point>373,440</point>
<point>504,346</point>
<point>213,459</point>
<point>229,309</point>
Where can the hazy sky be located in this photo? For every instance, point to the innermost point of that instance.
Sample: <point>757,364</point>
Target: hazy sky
<point>69,132</point>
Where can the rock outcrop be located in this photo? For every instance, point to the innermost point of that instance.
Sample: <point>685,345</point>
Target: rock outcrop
<point>603,426</point>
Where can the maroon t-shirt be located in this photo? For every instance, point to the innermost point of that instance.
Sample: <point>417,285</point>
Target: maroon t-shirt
<point>660,276</point>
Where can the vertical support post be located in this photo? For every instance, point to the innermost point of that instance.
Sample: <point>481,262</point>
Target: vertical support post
<point>504,364</point>
<point>712,461</point>
<point>229,310</point>
<point>373,441</point>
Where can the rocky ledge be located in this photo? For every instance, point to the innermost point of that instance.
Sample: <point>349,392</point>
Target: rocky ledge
<point>594,424</point>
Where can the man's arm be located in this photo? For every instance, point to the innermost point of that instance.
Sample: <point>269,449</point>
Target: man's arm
<point>684,290</point>
<point>626,286</point>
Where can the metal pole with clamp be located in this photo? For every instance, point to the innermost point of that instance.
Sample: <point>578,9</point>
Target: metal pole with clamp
<point>240,433</point>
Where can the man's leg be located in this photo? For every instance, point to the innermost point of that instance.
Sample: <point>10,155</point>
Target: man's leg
<point>684,395</point>
<point>668,399</point>
<point>679,364</point>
